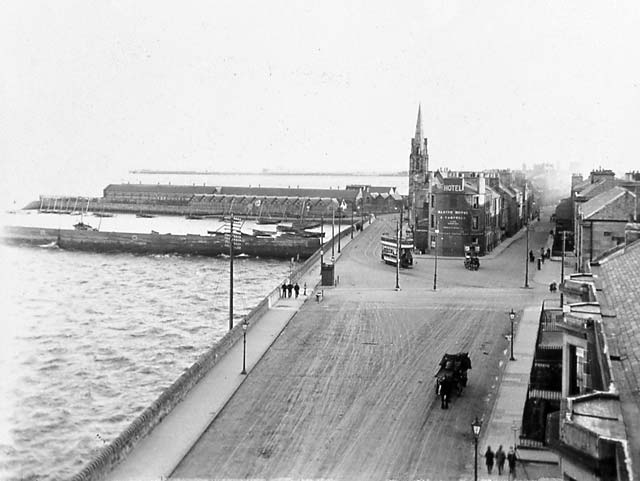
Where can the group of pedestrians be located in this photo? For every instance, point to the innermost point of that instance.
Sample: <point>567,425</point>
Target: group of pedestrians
<point>500,457</point>
<point>287,289</point>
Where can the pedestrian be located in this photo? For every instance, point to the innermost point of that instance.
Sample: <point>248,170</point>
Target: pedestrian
<point>284,289</point>
<point>500,457</point>
<point>296,288</point>
<point>532,258</point>
<point>488,456</point>
<point>548,253</point>
<point>511,460</point>
<point>289,288</point>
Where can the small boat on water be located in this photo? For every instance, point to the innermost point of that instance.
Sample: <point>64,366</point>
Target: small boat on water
<point>144,215</point>
<point>86,238</point>
<point>83,226</point>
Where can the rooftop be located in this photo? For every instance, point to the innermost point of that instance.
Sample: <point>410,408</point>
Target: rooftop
<point>621,291</point>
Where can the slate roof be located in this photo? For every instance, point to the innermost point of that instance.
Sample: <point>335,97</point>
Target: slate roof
<point>620,275</point>
<point>592,206</point>
<point>349,195</point>
<point>590,190</point>
<point>161,188</point>
<point>287,192</point>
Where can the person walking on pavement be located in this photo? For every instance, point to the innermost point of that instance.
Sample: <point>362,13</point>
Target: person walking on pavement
<point>488,456</point>
<point>511,459</point>
<point>284,289</point>
<point>289,289</point>
<point>500,457</point>
<point>296,288</point>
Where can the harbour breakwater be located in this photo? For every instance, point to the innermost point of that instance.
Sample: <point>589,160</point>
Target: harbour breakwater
<point>112,454</point>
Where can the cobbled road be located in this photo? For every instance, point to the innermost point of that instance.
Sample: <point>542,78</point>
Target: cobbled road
<point>347,391</point>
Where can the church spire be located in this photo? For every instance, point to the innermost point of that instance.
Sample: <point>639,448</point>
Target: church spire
<point>418,137</point>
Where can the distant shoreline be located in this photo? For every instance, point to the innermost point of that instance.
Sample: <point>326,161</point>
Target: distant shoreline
<point>266,172</point>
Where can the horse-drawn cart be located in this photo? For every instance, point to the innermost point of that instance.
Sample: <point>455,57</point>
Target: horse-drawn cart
<point>452,375</point>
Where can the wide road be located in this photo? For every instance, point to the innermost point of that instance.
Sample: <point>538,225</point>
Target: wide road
<point>347,390</point>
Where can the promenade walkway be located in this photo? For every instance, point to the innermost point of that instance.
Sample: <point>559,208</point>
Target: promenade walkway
<point>156,456</point>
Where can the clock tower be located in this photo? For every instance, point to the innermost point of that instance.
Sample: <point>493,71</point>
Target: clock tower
<point>418,175</point>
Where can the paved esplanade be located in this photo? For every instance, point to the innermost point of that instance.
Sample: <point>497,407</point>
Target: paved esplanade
<point>347,389</point>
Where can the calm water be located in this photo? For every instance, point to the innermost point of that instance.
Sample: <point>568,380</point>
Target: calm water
<point>90,340</point>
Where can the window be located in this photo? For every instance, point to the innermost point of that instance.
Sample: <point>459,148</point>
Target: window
<point>475,202</point>
<point>607,234</point>
<point>433,221</point>
<point>474,222</point>
<point>433,200</point>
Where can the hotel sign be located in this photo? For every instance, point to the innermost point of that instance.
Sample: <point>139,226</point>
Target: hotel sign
<point>453,185</point>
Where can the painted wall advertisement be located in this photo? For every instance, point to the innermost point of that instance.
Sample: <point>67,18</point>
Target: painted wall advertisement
<point>453,221</point>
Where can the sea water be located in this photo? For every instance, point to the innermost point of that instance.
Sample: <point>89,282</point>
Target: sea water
<point>89,340</point>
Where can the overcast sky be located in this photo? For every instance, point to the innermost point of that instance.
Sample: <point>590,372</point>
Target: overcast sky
<point>89,88</point>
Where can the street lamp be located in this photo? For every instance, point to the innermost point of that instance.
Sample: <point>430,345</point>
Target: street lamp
<point>526,260</point>
<point>475,426</point>
<point>245,324</point>
<point>512,316</point>
<point>435,268</point>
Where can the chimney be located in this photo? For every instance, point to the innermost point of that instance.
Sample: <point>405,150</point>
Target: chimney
<point>631,232</point>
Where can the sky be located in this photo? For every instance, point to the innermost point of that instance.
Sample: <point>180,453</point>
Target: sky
<point>92,89</point>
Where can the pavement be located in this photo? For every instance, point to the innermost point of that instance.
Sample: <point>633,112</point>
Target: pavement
<point>503,425</point>
<point>156,456</point>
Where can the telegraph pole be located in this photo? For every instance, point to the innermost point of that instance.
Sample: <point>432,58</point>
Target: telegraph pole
<point>333,235</point>
<point>339,225</point>
<point>352,221</point>
<point>562,269</point>
<point>231,273</point>
<point>398,256</point>
<point>526,259</point>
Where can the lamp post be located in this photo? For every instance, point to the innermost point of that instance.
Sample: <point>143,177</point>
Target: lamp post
<point>333,234</point>
<point>398,228</point>
<point>512,316</point>
<point>475,426</point>
<point>245,324</point>
<point>526,259</point>
<point>435,269</point>
<point>339,225</point>
<point>352,222</point>
<point>562,269</point>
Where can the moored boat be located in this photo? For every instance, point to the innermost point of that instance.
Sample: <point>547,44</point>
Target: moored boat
<point>286,246</point>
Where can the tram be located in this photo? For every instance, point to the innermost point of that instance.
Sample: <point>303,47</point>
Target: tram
<point>390,250</point>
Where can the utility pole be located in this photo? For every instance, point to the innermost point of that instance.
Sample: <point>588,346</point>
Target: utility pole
<point>321,243</point>
<point>397,256</point>
<point>562,269</point>
<point>333,235</point>
<point>339,225</point>
<point>352,222</point>
<point>526,258</point>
